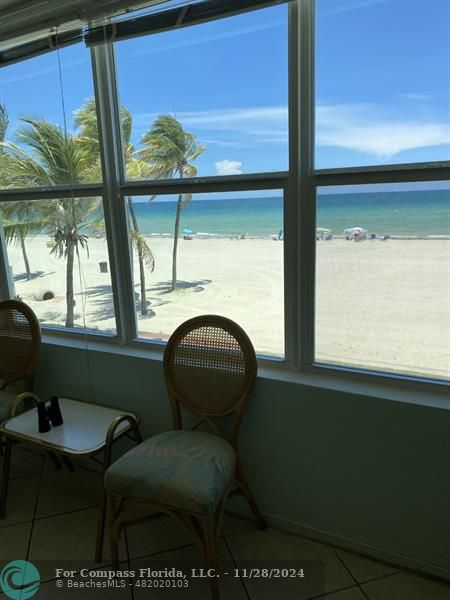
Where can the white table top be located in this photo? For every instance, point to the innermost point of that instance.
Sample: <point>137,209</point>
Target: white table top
<point>83,431</point>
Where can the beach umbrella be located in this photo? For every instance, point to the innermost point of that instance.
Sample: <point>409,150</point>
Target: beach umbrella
<point>353,230</point>
<point>355,233</point>
<point>322,232</point>
<point>187,230</point>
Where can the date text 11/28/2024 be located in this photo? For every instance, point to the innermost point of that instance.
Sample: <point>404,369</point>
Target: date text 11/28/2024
<point>173,573</point>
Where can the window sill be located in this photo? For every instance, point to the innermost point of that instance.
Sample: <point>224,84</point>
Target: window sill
<point>428,394</point>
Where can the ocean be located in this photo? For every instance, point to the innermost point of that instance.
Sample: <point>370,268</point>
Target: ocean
<point>405,213</point>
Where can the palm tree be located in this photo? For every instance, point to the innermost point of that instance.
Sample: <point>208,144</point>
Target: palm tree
<point>168,150</point>
<point>20,220</point>
<point>56,158</point>
<point>86,121</point>
<point>4,122</point>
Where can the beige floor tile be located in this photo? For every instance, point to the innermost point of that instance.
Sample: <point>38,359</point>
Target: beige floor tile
<point>164,534</point>
<point>323,570</point>
<point>233,525</point>
<point>21,500</point>
<point>186,559</point>
<point>14,542</point>
<point>62,491</point>
<point>364,569</point>
<point>24,462</point>
<point>67,541</point>
<point>156,536</point>
<point>353,593</point>
<point>406,586</point>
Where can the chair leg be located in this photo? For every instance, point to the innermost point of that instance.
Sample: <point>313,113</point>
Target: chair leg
<point>245,488</point>
<point>210,554</point>
<point>55,460</point>
<point>5,480</point>
<point>68,463</point>
<point>100,529</point>
<point>113,531</point>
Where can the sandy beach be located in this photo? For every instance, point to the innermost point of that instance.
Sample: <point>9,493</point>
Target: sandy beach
<point>383,304</point>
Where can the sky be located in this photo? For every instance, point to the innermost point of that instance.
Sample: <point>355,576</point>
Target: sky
<point>382,85</point>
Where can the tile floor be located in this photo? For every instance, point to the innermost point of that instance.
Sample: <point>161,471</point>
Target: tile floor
<point>51,521</point>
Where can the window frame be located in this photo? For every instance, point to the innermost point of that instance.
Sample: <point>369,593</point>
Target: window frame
<point>299,185</point>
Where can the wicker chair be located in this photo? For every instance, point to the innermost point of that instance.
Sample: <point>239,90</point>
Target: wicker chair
<point>20,339</point>
<point>209,367</point>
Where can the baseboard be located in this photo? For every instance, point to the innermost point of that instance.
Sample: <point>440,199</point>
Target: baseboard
<point>360,548</point>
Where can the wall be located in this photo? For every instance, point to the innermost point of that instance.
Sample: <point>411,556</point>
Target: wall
<point>368,474</point>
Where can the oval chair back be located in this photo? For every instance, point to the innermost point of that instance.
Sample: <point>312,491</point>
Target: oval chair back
<point>210,368</point>
<point>20,338</point>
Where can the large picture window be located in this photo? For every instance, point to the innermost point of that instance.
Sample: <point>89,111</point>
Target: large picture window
<point>285,165</point>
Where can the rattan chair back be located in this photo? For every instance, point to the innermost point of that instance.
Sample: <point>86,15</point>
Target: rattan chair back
<point>20,339</point>
<point>210,367</point>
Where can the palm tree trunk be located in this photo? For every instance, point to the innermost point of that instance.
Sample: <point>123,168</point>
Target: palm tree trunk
<point>140,258</point>
<point>25,258</point>
<point>175,242</point>
<point>69,283</point>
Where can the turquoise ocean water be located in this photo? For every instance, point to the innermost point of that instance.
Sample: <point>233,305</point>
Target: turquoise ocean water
<point>416,213</point>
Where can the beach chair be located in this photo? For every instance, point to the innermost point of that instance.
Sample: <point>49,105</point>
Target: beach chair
<point>209,367</point>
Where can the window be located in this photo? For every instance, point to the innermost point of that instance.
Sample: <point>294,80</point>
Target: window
<point>382,277</point>
<point>382,96</point>
<point>224,82</point>
<point>57,257</point>
<point>382,238</point>
<point>58,261</point>
<point>229,261</point>
<point>201,102</point>
<point>47,112</point>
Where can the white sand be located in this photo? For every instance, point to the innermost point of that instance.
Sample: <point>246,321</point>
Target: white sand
<point>379,304</point>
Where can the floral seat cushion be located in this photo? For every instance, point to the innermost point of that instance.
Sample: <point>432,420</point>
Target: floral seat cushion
<point>188,470</point>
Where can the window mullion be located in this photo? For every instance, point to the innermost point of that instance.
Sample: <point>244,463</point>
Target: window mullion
<point>6,286</point>
<point>115,215</point>
<point>291,196</point>
<point>307,200</point>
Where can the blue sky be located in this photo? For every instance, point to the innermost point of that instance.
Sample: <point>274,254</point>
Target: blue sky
<point>382,93</point>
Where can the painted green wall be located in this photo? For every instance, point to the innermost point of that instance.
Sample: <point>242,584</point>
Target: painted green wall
<point>369,474</point>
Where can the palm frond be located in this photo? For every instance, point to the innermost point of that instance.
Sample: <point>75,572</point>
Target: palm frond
<point>143,249</point>
<point>4,121</point>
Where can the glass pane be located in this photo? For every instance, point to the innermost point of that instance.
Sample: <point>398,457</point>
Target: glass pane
<point>225,83</point>
<point>229,261</point>
<point>383,96</point>
<point>383,281</point>
<point>48,132</point>
<point>55,246</point>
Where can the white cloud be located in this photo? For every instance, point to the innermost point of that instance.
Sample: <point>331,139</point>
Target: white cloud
<point>228,167</point>
<point>367,128</point>
<point>361,127</point>
<point>257,120</point>
<point>415,96</point>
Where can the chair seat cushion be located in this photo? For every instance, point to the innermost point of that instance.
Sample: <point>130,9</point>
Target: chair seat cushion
<point>187,470</point>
